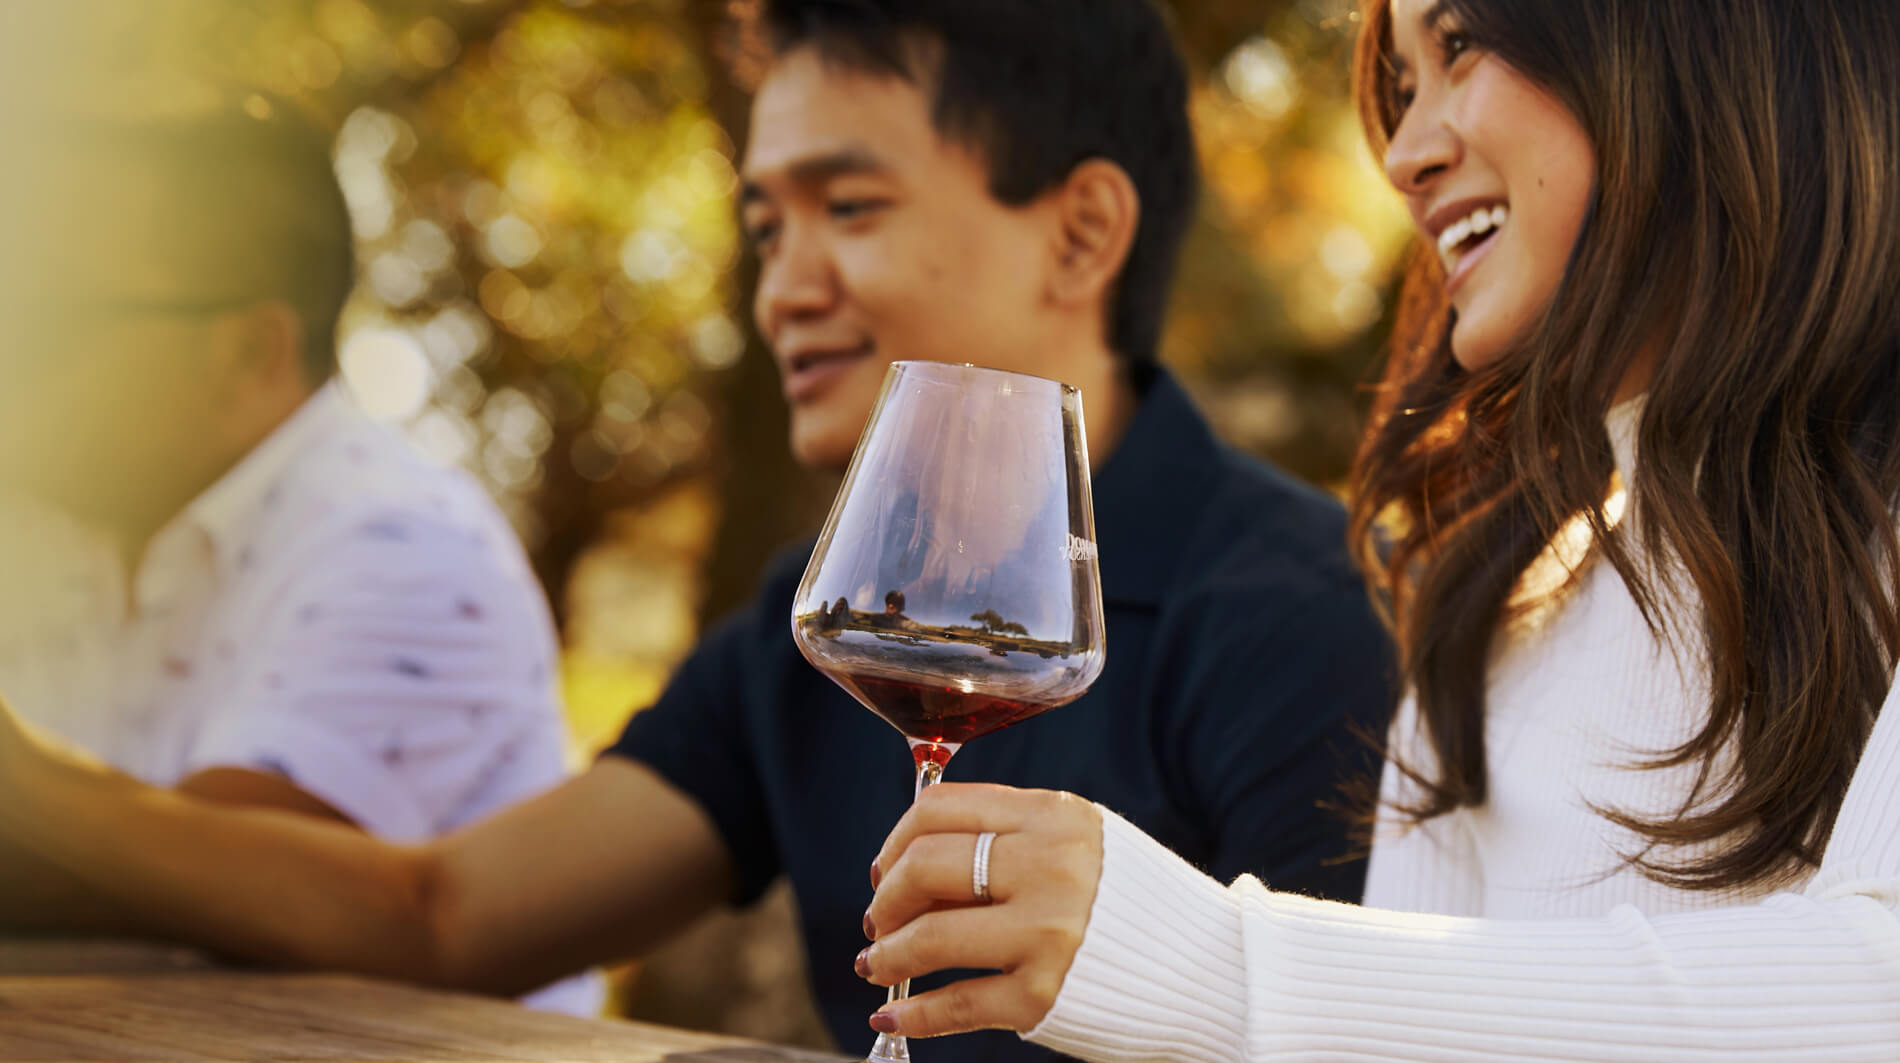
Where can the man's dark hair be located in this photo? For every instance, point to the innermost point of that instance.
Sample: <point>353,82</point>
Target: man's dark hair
<point>251,206</point>
<point>1037,87</point>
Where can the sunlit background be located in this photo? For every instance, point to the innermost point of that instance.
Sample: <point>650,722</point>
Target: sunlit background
<point>553,289</point>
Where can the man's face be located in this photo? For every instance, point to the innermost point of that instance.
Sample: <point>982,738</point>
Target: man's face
<point>878,241</point>
<point>105,399</point>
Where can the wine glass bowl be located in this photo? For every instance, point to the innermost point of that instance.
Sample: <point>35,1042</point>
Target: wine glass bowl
<point>955,588</point>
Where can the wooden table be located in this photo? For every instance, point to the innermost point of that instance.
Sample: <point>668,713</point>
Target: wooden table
<point>188,1014</point>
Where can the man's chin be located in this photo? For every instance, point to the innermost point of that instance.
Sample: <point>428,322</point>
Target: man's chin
<point>822,448</point>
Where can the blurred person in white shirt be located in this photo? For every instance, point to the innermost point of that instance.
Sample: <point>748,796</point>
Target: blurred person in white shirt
<point>217,574</point>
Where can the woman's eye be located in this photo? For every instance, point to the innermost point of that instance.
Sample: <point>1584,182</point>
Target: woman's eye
<point>1453,44</point>
<point>1401,101</point>
<point>759,234</point>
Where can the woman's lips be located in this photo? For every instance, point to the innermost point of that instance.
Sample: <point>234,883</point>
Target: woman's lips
<point>1469,261</point>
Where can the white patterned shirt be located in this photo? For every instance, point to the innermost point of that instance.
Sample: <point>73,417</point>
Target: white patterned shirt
<point>337,610</point>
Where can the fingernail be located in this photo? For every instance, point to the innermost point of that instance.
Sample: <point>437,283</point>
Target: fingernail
<point>870,928</point>
<point>884,1022</point>
<point>876,874</point>
<point>863,966</point>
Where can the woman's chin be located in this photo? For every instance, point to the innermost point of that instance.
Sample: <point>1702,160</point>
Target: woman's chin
<point>1472,347</point>
<point>1468,359</point>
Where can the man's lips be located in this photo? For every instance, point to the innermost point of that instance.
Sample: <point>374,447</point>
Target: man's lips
<point>807,373</point>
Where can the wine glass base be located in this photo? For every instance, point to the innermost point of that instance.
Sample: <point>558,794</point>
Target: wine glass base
<point>889,1048</point>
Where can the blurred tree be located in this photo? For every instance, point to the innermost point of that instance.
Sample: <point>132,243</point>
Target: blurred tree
<point>1285,283</point>
<point>552,287</point>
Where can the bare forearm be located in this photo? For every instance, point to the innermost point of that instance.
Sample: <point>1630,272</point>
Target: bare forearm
<point>599,869</point>
<point>263,885</point>
<point>544,889</point>
<point>37,896</point>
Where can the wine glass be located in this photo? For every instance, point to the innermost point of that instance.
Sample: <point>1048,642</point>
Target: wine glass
<point>955,589</point>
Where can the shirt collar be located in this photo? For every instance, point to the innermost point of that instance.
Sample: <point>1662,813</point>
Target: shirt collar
<point>1623,423</point>
<point>225,510</point>
<point>1153,486</point>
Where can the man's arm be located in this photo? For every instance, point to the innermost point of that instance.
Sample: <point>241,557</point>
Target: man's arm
<point>600,868</point>
<point>37,897</point>
<point>258,789</point>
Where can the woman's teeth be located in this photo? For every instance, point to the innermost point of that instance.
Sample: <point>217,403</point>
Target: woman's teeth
<point>1477,223</point>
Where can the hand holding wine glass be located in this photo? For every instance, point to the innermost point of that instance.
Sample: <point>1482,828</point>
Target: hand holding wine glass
<point>1045,864</point>
<point>955,589</point>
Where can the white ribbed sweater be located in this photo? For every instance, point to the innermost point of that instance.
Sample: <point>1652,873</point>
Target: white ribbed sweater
<point>1513,932</point>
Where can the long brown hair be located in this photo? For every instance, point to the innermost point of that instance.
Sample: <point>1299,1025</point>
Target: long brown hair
<point>1745,232</point>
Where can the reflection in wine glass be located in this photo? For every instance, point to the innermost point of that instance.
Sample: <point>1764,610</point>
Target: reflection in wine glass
<point>955,589</point>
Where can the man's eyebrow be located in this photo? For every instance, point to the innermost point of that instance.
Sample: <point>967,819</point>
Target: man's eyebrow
<point>817,169</point>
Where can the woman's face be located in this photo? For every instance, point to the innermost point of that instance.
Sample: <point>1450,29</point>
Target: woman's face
<point>1497,173</point>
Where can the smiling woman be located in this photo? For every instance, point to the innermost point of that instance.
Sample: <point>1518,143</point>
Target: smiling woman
<point>1623,807</point>
<point>1697,269</point>
<point>1497,173</point>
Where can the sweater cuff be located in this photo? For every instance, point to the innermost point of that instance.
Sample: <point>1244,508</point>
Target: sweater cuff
<point>1161,973</point>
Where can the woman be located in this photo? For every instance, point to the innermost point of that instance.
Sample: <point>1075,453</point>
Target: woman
<point>1630,490</point>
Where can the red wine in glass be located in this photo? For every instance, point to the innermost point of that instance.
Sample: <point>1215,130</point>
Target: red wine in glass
<point>955,588</point>
<point>939,718</point>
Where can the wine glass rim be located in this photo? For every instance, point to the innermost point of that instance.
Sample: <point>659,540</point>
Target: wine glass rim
<point>927,364</point>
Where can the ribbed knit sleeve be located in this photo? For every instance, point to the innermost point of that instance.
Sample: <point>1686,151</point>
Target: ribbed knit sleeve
<point>1808,977</point>
<point>1162,969</point>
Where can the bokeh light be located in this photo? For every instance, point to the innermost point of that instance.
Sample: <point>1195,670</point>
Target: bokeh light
<point>387,371</point>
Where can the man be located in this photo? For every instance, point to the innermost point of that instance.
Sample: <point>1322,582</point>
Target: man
<point>960,180</point>
<point>218,576</point>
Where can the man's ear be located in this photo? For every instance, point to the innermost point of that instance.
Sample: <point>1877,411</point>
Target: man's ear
<point>258,377</point>
<point>261,349</point>
<point>1098,212</point>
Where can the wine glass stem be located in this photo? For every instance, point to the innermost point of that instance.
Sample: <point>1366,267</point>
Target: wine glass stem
<point>894,1048</point>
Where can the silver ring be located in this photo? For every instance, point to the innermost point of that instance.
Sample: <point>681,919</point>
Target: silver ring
<point>980,866</point>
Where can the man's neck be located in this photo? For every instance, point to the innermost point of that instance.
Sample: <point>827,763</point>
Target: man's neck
<point>134,519</point>
<point>1108,403</point>
<point>133,527</point>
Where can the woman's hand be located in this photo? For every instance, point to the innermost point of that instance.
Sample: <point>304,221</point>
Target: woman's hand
<point>1043,868</point>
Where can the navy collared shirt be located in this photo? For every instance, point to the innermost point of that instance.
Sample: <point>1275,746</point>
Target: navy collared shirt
<point>1245,664</point>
